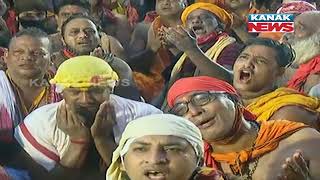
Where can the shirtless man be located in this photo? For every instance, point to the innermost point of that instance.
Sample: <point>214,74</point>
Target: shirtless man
<point>240,146</point>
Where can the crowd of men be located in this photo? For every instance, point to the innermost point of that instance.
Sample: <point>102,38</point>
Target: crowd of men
<point>158,90</point>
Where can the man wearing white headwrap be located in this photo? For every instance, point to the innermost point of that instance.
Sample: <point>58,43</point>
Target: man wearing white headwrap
<point>162,146</point>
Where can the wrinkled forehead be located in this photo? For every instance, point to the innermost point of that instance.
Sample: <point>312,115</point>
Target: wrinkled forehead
<point>73,9</point>
<point>80,23</point>
<point>260,50</point>
<point>187,96</point>
<point>28,41</point>
<point>162,140</point>
<point>200,12</point>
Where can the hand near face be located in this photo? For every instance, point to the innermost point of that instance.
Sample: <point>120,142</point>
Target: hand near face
<point>154,43</point>
<point>180,38</point>
<point>98,52</point>
<point>104,121</point>
<point>295,168</point>
<point>71,124</point>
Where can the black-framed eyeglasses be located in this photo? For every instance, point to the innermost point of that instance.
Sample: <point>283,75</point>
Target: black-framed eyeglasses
<point>197,99</point>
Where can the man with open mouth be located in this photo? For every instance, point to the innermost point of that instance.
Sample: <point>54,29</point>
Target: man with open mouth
<point>255,74</point>
<point>235,142</point>
<point>81,36</point>
<point>160,147</point>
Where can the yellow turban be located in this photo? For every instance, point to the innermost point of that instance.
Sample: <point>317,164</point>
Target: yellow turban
<point>157,124</point>
<point>222,14</point>
<point>84,72</point>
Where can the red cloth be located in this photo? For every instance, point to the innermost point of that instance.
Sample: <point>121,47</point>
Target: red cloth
<point>296,7</point>
<point>150,16</point>
<point>198,83</point>
<point>12,22</point>
<point>133,16</point>
<point>205,83</point>
<point>303,72</point>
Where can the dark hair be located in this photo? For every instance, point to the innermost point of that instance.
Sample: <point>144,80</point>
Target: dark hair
<point>81,3</point>
<point>77,16</point>
<point>32,32</point>
<point>285,54</point>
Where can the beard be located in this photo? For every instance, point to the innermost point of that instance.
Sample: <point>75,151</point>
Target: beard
<point>306,49</point>
<point>87,115</point>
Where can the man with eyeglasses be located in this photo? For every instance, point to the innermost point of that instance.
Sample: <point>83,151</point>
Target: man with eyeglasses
<point>239,145</point>
<point>256,72</point>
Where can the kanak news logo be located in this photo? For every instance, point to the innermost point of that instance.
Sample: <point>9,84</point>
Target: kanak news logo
<point>270,23</point>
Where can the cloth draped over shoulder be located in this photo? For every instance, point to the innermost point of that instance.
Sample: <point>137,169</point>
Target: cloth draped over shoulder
<point>150,85</point>
<point>10,113</point>
<point>304,71</point>
<point>266,105</point>
<point>269,137</point>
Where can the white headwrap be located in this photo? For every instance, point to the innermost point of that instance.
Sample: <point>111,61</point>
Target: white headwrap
<point>158,124</point>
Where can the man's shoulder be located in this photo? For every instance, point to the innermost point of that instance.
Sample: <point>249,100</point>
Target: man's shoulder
<point>43,115</point>
<point>278,130</point>
<point>124,102</point>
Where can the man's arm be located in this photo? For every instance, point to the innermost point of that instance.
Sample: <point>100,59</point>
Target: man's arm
<point>117,49</point>
<point>297,114</point>
<point>185,43</point>
<point>126,87</point>
<point>70,164</point>
<point>307,141</point>
<point>312,80</point>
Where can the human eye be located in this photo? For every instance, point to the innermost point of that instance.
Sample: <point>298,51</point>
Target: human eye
<point>175,149</point>
<point>139,149</point>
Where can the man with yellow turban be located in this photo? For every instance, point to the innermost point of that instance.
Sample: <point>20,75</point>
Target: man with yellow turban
<point>208,24</point>
<point>71,137</point>
<point>161,146</point>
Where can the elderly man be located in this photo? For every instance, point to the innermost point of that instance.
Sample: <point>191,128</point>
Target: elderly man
<point>81,37</point>
<point>79,133</point>
<point>208,23</point>
<point>153,147</point>
<point>258,91</point>
<point>295,8</point>
<point>240,146</point>
<point>307,48</point>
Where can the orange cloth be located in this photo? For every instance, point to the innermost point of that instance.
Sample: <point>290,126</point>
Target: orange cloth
<point>207,173</point>
<point>304,71</point>
<point>150,85</point>
<point>220,3</point>
<point>269,137</point>
<point>271,35</point>
<point>163,53</point>
<point>266,105</point>
<point>222,14</point>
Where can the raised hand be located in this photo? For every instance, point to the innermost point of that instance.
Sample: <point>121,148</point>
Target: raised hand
<point>104,121</point>
<point>295,168</point>
<point>71,124</point>
<point>98,52</point>
<point>180,38</point>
